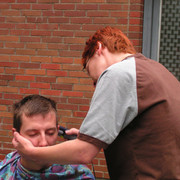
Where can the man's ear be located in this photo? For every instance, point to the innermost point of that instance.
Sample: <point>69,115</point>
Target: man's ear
<point>13,130</point>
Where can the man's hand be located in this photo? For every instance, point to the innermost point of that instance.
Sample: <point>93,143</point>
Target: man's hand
<point>23,146</point>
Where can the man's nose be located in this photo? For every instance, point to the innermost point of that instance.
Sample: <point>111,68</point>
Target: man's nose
<point>43,141</point>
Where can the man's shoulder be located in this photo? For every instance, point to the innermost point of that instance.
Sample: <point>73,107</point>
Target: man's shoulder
<point>10,158</point>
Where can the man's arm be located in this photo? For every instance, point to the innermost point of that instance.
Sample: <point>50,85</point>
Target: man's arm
<point>69,152</point>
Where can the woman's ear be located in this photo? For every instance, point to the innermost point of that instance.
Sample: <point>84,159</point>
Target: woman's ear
<point>99,49</point>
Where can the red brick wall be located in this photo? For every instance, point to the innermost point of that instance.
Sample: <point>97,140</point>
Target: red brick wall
<point>41,42</point>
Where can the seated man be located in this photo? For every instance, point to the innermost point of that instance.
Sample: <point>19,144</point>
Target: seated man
<point>35,119</point>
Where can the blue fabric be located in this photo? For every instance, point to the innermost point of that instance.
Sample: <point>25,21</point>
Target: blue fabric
<point>11,169</point>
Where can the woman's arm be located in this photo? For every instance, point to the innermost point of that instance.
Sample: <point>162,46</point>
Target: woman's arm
<point>69,152</point>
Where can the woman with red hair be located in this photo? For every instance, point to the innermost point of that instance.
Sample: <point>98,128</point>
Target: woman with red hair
<point>134,114</point>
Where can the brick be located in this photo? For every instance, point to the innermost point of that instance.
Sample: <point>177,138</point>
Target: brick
<point>83,88</point>
<point>9,38</point>
<point>41,59</point>
<point>24,78</point>
<point>30,65</point>
<point>56,73</point>
<point>83,108</point>
<point>40,85</point>
<point>75,13</point>
<point>61,87</point>
<point>4,6</point>
<point>14,71</point>
<point>29,91</point>
<point>30,39</point>
<point>74,40</point>
<point>70,53</point>
<point>3,108</point>
<point>53,13</point>
<point>47,53</point>
<point>87,7</point>
<point>15,19</point>
<point>10,13</point>
<point>71,1</point>
<point>37,20</point>
<point>6,102</point>
<point>64,112</point>
<point>136,14</point>
<point>97,14</point>
<point>57,46</point>
<point>52,39</point>
<point>7,25</point>
<point>63,33</point>
<point>48,26</point>
<point>51,66</point>
<point>8,64</point>
<point>58,20</point>
<point>36,71</point>
<point>36,46</point>
<point>14,45</point>
<point>25,52</point>
<point>64,6</point>
<point>4,32</point>
<point>20,6</point>
<point>48,1</point>
<point>113,7</point>
<point>2,19</point>
<point>63,60</point>
<point>119,14</point>
<point>70,27</point>
<point>70,119</point>
<point>94,1</point>
<point>51,92</point>
<point>41,6</point>
<point>77,74</point>
<point>80,114</point>
<point>87,81</point>
<point>31,13</point>
<point>105,21</point>
<point>72,67</point>
<point>78,101</point>
<point>26,1</point>
<point>9,89</point>
<point>67,106</point>
<point>67,80</point>
<point>7,1</point>
<point>4,58</point>
<point>6,77</point>
<point>46,79</point>
<point>20,32</point>
<point>19,84</point>
<point>40,33</point>
<point>72,94</point>
<point>13,96</point>
<point>118,1</point>
<point>20,58</point>
<point>26,26</point>
<point>6,51</point>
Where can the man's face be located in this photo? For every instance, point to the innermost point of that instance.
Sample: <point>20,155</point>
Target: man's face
<point>41,131</point>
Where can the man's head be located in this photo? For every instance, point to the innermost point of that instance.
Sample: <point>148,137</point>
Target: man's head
<point>35,119</point>
<point>112,38</point>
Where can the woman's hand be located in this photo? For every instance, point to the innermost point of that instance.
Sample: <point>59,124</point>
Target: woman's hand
<point>23,146</point>
<point>72,131</point>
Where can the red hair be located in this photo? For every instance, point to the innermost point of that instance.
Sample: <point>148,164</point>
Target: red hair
<point>109,37</point>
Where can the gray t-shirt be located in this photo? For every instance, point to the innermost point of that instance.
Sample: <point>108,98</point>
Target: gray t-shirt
<point>114,102</point>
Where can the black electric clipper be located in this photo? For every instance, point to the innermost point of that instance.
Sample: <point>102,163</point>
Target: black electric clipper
<point>62,132</point>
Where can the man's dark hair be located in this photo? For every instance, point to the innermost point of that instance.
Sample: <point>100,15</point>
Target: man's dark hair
<point>31,105</point>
